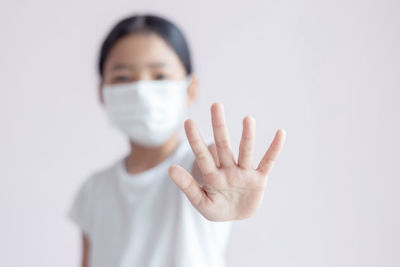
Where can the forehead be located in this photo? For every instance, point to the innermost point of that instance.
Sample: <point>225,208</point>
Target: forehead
<point>140,49</point>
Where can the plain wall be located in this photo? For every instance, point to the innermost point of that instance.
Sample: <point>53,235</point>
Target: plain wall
<point>326,71</point>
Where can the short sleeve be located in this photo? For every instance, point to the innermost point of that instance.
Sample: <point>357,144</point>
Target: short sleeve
<point>81,209</point>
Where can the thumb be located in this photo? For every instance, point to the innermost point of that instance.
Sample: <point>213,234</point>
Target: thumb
<point>185,181</point>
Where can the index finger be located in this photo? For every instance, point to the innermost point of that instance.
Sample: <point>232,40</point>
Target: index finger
<point>203,156</point>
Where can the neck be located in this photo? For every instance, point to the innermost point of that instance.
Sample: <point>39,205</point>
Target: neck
<point>143,158</point>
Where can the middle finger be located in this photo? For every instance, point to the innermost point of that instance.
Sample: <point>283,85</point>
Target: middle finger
<point>221,136</point>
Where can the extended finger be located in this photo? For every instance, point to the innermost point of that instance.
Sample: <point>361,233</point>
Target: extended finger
<point>213,150</point>
<point>268,160</point>
<point>245,158</point>
<point>187,184</point>
<point>221,136</point>
<point>203,156</point>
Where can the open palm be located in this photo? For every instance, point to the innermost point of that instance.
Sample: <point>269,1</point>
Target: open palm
<point>231,190</point>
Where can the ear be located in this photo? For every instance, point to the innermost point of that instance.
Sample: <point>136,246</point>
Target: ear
<point>100,92</point>
<point>192,90</point>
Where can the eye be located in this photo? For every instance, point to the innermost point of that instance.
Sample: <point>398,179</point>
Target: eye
<point>121,79</point>
<point>160,76</point>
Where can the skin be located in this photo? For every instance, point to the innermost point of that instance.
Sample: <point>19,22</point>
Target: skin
<point>231,189</point>
<point>145,56</point>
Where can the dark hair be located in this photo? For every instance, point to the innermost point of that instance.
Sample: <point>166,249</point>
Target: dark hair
<point>147,23</point>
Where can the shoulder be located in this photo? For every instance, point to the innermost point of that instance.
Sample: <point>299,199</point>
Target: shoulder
<point>89,192</point>
<point>103,177</point>
<point>98,179</point>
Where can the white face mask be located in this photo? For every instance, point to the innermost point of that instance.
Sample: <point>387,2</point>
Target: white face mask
<point>149,112</point>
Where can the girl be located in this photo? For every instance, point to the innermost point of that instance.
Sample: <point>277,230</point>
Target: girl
<point>169,202</point>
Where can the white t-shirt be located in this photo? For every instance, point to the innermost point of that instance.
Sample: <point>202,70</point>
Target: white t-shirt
<point>145,220</point>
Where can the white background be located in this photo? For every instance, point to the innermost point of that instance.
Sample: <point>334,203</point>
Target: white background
<point>326,71</point>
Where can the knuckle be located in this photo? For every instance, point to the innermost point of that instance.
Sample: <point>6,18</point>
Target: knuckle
<point>223,143</point>
<point>200,154</point>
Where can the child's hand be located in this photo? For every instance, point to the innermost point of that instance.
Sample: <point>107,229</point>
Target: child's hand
<point>231,191</point>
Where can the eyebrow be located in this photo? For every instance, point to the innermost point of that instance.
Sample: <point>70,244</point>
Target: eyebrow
<point>119,66</point>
